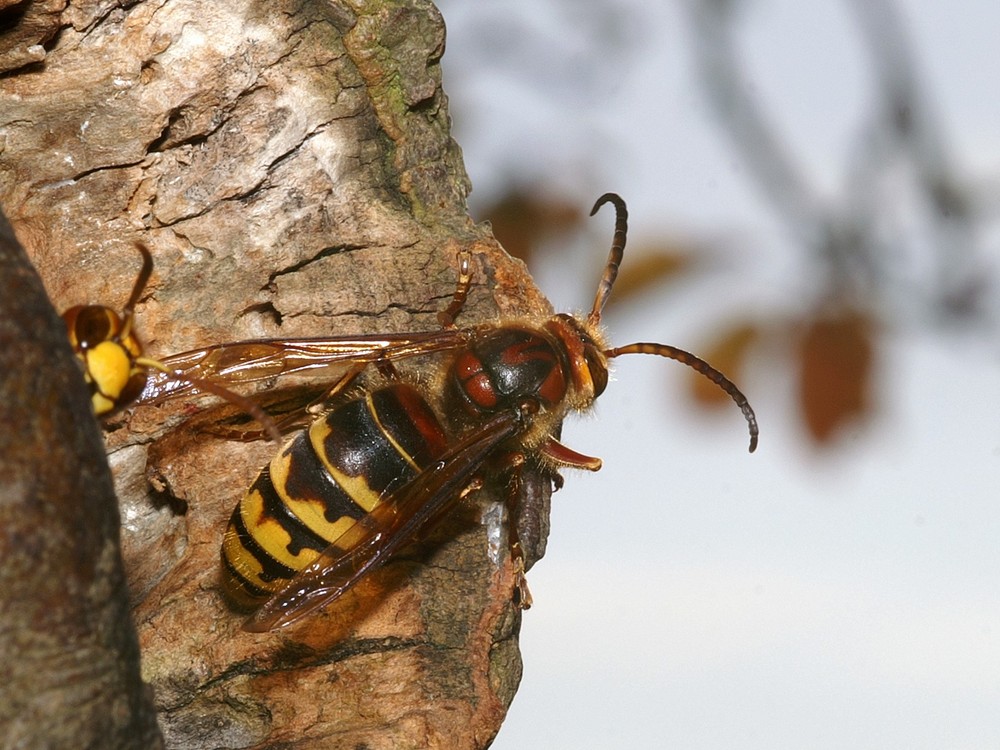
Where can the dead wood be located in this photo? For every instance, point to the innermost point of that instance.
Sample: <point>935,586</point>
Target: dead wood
<point>290,167</point>
<point>69,651</point>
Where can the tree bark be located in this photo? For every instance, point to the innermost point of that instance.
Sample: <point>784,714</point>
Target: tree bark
<point>68,649</point>
<point>290,167</point>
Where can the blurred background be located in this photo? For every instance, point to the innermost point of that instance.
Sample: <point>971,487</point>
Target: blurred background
<point>813,192</point>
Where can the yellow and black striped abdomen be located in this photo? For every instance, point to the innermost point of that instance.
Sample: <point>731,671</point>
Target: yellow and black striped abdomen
<point>322,481</point>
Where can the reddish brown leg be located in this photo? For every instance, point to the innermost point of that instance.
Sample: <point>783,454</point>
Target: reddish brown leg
<point>521,593</point>
<point>447,316</point>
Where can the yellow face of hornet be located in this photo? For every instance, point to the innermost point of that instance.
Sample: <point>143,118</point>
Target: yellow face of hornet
<point>114,367</point>
<point>109,350</point>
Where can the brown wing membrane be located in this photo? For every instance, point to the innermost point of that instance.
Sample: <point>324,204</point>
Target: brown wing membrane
<point>265,359</point>
<point>395,521</point>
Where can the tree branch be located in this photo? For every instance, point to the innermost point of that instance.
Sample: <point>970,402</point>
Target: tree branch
<point>69,649</point>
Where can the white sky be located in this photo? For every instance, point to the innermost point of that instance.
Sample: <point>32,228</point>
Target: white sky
<point>693,595</point>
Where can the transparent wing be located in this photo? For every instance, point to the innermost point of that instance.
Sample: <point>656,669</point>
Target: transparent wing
<point>258,360</point>
<point>396,520</point>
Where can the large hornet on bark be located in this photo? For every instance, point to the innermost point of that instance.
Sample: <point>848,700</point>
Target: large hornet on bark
<point>385,457</point>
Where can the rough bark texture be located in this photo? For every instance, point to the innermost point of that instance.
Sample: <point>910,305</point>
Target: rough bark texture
<point>68,650</point>
<point>289,164</point>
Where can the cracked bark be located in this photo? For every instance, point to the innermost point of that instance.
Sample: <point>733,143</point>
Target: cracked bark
<point>289,165</point>
<point>68,648</point>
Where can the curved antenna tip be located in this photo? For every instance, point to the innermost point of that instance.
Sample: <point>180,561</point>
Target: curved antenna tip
<point>614,257</point>
<point>607,198</point>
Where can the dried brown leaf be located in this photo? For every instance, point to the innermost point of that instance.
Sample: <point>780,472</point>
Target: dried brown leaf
<point>836,354</point>
<point>649,267</point>
<point>523,218</point>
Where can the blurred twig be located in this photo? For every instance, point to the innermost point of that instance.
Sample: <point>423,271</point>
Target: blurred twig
<point>855,232</point>
<point>897,242</point>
